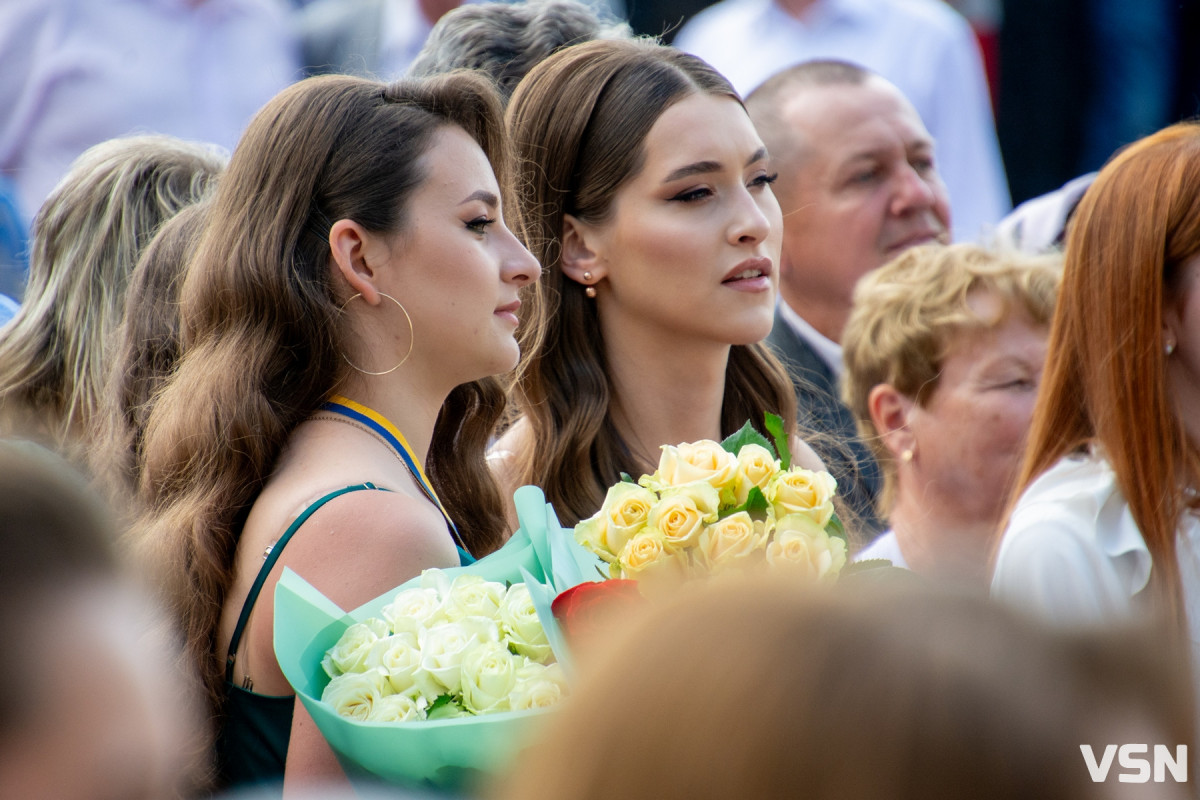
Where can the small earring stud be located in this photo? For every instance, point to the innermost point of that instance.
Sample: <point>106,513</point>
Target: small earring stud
<point>587,277</point>
<point>590,291</point>
<point>906,456</point>
<point>1169,348</point>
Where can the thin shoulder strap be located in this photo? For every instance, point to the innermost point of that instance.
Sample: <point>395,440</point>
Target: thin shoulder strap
<point>268,564</point>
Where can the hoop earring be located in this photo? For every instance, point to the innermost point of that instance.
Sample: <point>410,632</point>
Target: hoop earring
<point>411,337</point>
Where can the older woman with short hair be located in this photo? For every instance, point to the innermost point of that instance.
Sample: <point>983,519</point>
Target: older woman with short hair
<point>943,354</point>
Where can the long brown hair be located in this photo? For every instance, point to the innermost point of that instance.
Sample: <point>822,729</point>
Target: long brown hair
<point>1105,381</point>
<point>259,314</point>
<point>578,123</point>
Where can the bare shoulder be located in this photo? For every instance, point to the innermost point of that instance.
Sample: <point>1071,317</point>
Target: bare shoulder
<point>362,543</point>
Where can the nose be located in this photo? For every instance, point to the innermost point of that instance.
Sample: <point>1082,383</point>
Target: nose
<point>914,191</point>
<point>751,221</point>
<point>517,265</point>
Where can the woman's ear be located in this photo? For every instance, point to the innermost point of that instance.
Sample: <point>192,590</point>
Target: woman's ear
<point>348,243</point>
<point>890,410</point>
<point>581,260</point>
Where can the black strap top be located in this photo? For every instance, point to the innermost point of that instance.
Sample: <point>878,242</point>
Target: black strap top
<point>252,741</point>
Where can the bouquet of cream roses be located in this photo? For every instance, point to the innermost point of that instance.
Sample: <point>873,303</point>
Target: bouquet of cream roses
<point>442,649</point>
<point>712,507</point>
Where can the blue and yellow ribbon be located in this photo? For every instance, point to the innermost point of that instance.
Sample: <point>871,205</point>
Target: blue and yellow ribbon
<point>392,435</point>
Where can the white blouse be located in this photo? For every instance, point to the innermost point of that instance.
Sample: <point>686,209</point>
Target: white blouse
<point>883,546</point>
<point>1073,554</point>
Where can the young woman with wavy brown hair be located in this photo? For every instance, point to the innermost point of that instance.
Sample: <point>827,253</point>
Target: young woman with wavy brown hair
<point>646,195</point>
<point>352,292</point>
<point>1107,522</point>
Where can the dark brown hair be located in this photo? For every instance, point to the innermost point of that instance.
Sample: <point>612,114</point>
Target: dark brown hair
<point>579,122</point>
<point>261,341</point>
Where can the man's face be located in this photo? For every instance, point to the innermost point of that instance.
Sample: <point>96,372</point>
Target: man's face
<point>861,187</point>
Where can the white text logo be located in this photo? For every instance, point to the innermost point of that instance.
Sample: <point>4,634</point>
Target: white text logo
<point>1132,758</point>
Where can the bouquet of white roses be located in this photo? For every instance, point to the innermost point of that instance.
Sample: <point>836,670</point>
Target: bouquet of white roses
<point>442,679</point>
<point>444,648</point>
<point>712,507</point>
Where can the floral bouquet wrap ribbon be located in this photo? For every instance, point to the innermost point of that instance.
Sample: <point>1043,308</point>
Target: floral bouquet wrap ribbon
<point>440,753</point>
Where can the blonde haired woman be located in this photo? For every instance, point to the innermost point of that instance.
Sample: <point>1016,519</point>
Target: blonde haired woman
<point>87,237</point>
<point>943,354</point>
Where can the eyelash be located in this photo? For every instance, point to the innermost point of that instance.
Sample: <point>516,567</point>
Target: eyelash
<point>692,195</point>
<point>480,224</point>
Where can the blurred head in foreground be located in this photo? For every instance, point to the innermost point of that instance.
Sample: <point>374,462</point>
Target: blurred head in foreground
<point>89,707</point>
<point>760,689</point>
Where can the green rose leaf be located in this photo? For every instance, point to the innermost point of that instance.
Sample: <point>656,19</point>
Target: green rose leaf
<point>746,435</point>
<point>774,426</point>
<point>446,707</point>
<point>835,528</point>
<point>756,506</point>
<point>627,478</point>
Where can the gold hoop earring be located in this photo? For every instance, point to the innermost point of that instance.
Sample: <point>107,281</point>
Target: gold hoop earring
<point>411,337</point>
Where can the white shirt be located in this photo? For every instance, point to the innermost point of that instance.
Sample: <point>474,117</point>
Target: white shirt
<point>922,46</point>
<point>884,546</point>
<point>826,349</point>
<point>74,73</point>
<point>1072,553</point>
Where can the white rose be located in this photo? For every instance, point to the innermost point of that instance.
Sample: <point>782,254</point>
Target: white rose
<point>489,673</point>
<point>472,596</point>
<point>350,652</point>
<point>416,604</point>
<point>537,686</point>
<point>398,708</point>
<point>444,646</point>
<point>520,625</point>
<point>355,694</point>
<point>399,656</point>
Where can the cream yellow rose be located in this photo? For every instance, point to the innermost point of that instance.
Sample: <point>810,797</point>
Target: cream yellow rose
<point>704,460</point>
<point>802,491</point>
<point>802,545</point>
<point>444,646</point>
<point>646,559</point>
<point>683,512</point>
<point>736,540</point>
<point>756,466</point>
<point>624,513</point>
<point>399,656</point>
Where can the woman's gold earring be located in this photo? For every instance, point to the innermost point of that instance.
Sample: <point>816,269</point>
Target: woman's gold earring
<point>906,456</point>
<point>589,290</point>
<point>411,337</point>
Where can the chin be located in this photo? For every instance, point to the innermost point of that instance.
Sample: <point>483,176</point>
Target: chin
<point>753,330</point>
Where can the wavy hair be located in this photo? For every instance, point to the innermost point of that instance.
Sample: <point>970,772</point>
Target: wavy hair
<point>87,237</point>
<point>911,312</point>
<point>578,123</point>
<point>260,332</point>
<point>1105,381</point>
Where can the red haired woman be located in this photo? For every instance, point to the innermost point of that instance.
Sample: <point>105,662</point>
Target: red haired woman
<point>1107,522</point>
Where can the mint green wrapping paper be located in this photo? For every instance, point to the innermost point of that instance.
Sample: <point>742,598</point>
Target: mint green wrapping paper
<point>448,753</point>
